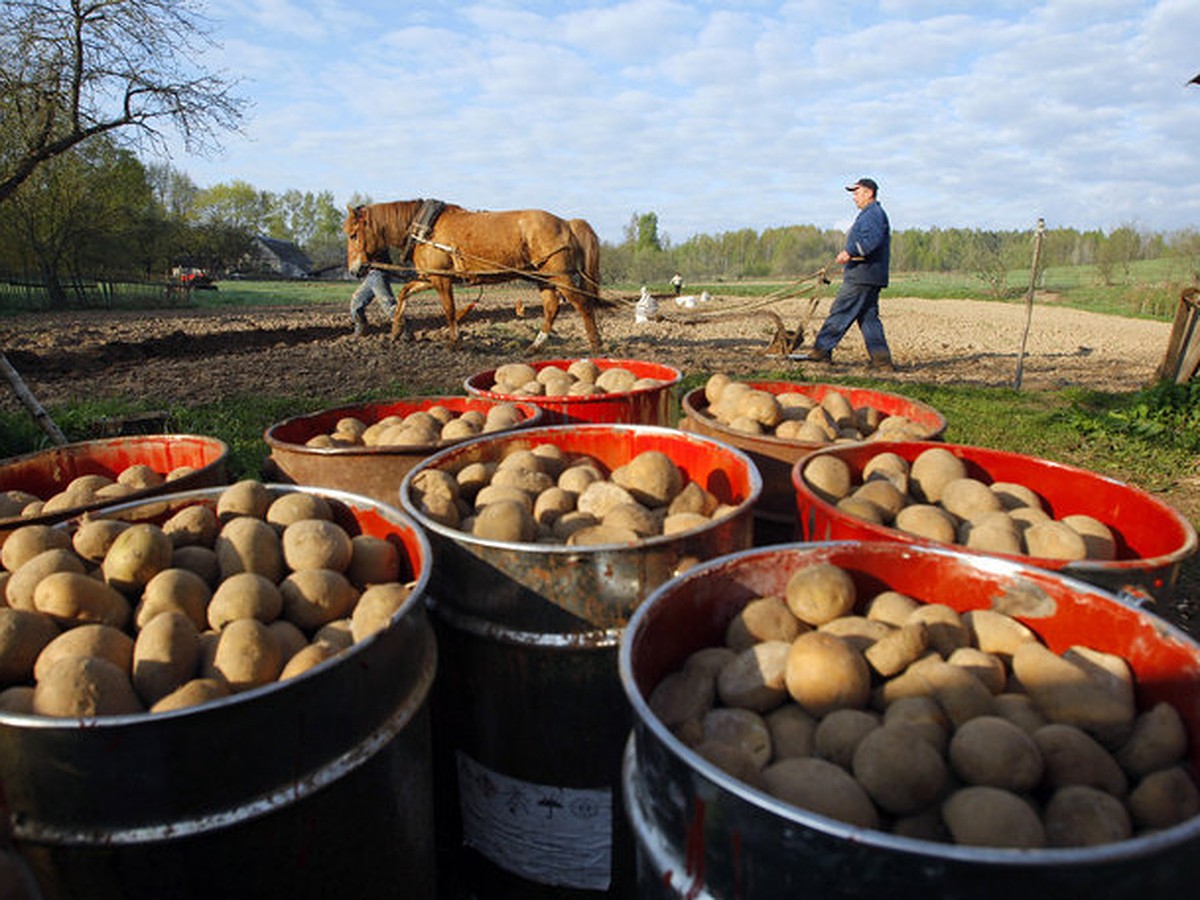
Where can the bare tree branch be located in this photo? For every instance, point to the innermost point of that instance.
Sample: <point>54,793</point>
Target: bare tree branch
<point>71,70</point>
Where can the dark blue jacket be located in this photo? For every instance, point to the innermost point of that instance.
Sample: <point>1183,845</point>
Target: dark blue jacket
<point>871,238</point>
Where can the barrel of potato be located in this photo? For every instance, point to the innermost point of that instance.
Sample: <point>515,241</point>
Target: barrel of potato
<point>775,516</point>
<point>1152,539</point>
<point>374,471</point>
<point>190,461</point>
<point>651,404</point>
<point>314,787</point>
<point>701,832</point>
<point>529,717</point>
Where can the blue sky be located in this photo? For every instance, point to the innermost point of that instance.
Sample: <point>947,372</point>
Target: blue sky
<point>723,115</point>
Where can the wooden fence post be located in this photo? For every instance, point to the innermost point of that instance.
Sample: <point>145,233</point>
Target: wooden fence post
<point>31,402</point>
<point>1033,274</point>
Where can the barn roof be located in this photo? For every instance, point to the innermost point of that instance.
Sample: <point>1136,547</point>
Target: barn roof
<point>286,251</point>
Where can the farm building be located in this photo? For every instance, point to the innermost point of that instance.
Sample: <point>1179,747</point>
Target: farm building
<point>271,256</point>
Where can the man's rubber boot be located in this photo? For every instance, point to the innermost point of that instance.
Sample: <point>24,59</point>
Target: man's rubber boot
<point>813,355</point>
<point>882,362</point>
<point>360,322</point>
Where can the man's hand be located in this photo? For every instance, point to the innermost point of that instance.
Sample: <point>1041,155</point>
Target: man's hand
<point>842,258</point>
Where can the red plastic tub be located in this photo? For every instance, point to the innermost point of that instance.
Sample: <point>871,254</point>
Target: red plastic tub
<point>702,833</point>
<point>775,456</point>
<point>1153,538</point>
<point>644,406</point>
<point>375,472</point>
<point>47,472</point>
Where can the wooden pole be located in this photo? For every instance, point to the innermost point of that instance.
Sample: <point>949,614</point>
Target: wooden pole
<point>31,402</point>
<point>1033,275</point>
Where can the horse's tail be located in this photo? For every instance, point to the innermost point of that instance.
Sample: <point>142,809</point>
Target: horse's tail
<point>589,262</point>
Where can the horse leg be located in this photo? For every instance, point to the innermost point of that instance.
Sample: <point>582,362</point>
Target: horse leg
<point>399,323</point>
<point>445,290</point>
<point>549,312</point>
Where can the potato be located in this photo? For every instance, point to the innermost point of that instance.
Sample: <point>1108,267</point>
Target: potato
<point>634,517</point>
<point>715,384</point>
<point>1054,540</point>
<point>1075,694</point>
<point>93,537</point>
<point>1019,710</point>
<point>792,731</point>
<point>820,592</point>
<point>1164,798</point>
<point>927,521</point>
<point>18,590</point>
<point>248,497</point>
<point>375,608</point>
<point>862,509</point>
<point>899,769</point>
<point>72,598</point>
<point>692,498</point>
<point>685,695</point>
<point>898,649</point>
<point>684,521</point>
<point>17,699</point>
<point>551,505</point>
<point>925,716</point>
<point>960,694</point>
<point>373,560</point>
<point>651,477</point>
<point>990,535</point>
<point>246,656</point>
<point>762,619</point>
<point>137,554</point>
<point>1072,756</point>
<point>100,641</point>
<point>193,693</point>
<point>1098,539</point>
<point>857,631</point>
<point>821,787</point>
<point>295,506</point>
<point>982,816</point>
<point>307,658</point>
<point>986,667</point>
<point>993,751</point>
<point>838,735</point>
<point>176,589</point>
<point>996,633</point>
<point>291,640</point>
<point>733,761</point>
<point>931,471</point>
<point>755,679</point>
<point>1078,816</point>
<point>883,495</point>
<point>968,498</point>
<point>313,597</point>
<point>23,635</point>
<point>1159,740</point>
<point>891,607</point>
<point>825,673</point>
<point>84,687</point>
<point>760,407</point>
<point>510,521</point>
<point>1014,496</point>
<point>339,633</point>
<point>829,478</point>
<point>617,380</point>
<point>244,595</point>
<point>165,656</point>
<point>740,728</point>
<point>247,544</point>
<point>945,627</point>
<point>27,541</point>
<point>200,560</point>
<point>316,544</point>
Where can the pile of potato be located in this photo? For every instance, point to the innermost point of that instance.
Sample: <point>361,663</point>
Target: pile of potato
<point>914,719</point>
<point>84,490</point>
<point>795,416</point>
<point>581,378</point>
<point>420,428</point>
<point>547,495</point>
<point>118,617</point>
<point>934,498</point>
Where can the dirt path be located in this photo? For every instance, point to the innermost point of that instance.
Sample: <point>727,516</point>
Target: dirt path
<point>193,356</point>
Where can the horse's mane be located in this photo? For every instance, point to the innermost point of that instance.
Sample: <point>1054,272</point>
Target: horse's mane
<point>388,222</point>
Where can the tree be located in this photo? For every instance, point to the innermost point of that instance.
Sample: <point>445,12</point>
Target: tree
<point>75,70</point>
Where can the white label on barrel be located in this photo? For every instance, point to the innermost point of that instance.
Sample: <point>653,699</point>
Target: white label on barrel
<point>551,835</point>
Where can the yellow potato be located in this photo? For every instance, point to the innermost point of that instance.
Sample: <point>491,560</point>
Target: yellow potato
<point>93,537</point>
<point>820,592</point>
<point>19,588</point>
<point>136,555</point>
<point>899,769</point>
<point>27,541</point>
<point>316,544</point>
<point>982,816</point>
<point>247,544</point>
<point>165,656</point>
<point>755,679</point>
<point>792,731</point>
<point>314,597</point>
<point>23,635</point>
<point>243,498</point>
<point>931,471</point>
<point>829,478</point>
<point>101,641</point>
<point>838,734</point>
<point>375,608</point>
<point>72,598</point>
<point>244,595</point>
<point>194,693</point>
<point>307,658</point>
<point>823,788</point>
<point>373,560</point>
<point>295,506</point>
<point>992,750</point>
<point>1078,816</point>
<point>741,728</point>
<point>175,589</point>
<point>1164,798</point>
<point>85,687</point>
<point>762,619</point>
<point>651,477</point>
<point>246,656</point>
<point>1072,756</point>
<point>825,673</point>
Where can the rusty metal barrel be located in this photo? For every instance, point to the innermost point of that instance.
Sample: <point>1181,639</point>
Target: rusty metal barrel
<point>700,832</point>
<point>315,787</point>
<point>529,716</point>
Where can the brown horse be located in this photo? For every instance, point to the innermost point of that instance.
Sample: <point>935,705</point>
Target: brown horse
<point>479,248</point>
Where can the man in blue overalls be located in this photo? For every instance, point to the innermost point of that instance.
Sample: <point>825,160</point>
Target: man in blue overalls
<point>866,258</point>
